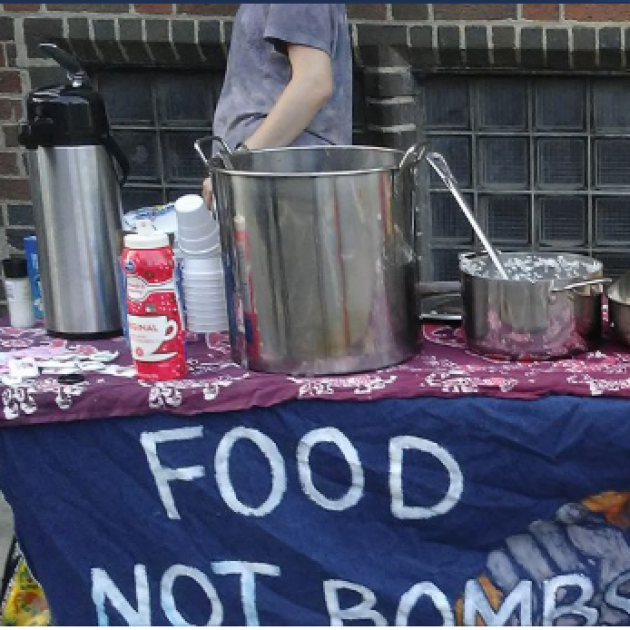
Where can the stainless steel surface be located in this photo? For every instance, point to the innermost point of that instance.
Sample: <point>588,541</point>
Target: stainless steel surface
<point>442,308</point>
<point>426,289</point>
<point>552,310</point>
<point>439,165</point>
<point>320,270</point>
<point>439,301</point>
<point>619,308</point>
<point>77,218</point>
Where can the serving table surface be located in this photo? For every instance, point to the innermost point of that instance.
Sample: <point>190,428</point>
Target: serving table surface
<point>443,368</point>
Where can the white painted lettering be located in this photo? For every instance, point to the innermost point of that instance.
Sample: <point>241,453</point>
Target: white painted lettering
<point>103,588</point>
<point>476,602</point>
<point>397,448</point>
<point>163,475</point>
<point>614,598</point>
<point>364,610</point>
<point>414,594</point>
<point>247,571</point>
<point>168,600</point>
<point>553,612</point>
<point>336,437</point>
<point>222,471</point>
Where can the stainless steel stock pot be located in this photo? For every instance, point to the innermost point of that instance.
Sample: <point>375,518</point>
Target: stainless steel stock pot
<point>550,306</point>
<point>318,251</point>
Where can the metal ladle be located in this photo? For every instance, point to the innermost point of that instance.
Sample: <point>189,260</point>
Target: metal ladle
<point>439,165</point>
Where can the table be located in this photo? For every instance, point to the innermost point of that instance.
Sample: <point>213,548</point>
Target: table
<point>448,489</point>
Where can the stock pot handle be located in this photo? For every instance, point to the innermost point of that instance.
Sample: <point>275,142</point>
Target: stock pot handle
<point>200,142</point>
<point>410,160</point>
<point>413,156</point>
<point>580,284</point>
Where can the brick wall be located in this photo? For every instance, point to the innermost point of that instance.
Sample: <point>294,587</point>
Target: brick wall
<point>394,44</point>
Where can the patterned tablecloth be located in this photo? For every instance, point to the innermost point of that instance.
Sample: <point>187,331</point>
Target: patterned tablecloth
<point>442,368</point>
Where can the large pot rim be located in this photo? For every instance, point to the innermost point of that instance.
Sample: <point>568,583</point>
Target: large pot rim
<point>215,162</point>
<point>538,282</point>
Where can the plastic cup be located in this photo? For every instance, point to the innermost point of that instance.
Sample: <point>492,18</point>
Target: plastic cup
<point>211,309</point>
<point>207,321</point>
<point>209,317</point>
<point>204,279</point>
<point>214,288</point>
<point>203,276</point>
<point>197,230</point>
<point>199,248</point>
<point>206,310</point>
<point>210,320</point>
<point>191,211</point>
<point>211,264</point>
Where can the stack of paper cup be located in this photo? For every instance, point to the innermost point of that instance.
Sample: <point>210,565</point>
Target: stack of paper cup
<point>197,231</point>
<point>202,269</point>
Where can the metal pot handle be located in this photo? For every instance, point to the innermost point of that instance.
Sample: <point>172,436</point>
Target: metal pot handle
<point>410,160</point>
<point>413,155</point>
<point>225,155</point>
<point>580,284</point>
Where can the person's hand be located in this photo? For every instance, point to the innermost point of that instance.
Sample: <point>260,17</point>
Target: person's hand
<point>207,192</point>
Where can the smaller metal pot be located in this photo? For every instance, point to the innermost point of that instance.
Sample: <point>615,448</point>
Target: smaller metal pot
<point>549,308</point>
<point>618,294</point>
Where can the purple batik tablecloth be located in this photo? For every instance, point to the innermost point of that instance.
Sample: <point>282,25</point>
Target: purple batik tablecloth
<point>442,368</point>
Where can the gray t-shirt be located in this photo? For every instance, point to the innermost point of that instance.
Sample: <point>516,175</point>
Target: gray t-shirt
<point>258,69</point>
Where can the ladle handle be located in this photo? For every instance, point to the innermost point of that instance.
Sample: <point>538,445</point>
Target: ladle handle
<point>439,165</point>
<point>201,141</point>
<point>445,171</point>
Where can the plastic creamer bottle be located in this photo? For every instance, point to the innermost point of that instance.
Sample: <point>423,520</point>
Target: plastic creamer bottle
<point>18,289</point>
<point>154,317</point>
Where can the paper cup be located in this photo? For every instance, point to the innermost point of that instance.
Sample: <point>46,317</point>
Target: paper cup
<point>212,264</point>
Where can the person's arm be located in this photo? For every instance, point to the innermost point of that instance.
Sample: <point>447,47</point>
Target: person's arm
<point>311,85</point>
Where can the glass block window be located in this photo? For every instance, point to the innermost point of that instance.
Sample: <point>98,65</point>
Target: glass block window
<point>544,163</point>
<point>157,115</point>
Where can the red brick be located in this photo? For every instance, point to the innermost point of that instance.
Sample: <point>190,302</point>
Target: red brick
<point>11,136</point>
<point>367,11</point>
<point>92,8</point>
<point>6,109</point>
<point>10,110</point>
<point>3,58</point>
<point>14,189</point>
<point>9,164</point>
<point>542,12</point>
<point>416,11</point>
<point>597,12</point>
<point>22,7</point>
<point>154,9</point>
<point>471,12</point>
<point>217,10</point>
<point>10,82</point>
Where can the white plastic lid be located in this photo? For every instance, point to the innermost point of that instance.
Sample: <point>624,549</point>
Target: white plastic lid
<point>146,237</point>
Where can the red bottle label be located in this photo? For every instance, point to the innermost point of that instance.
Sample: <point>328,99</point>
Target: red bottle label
<point>155,323</point>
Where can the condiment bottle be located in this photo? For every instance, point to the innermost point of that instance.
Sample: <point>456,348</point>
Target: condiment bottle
<point>18,289</point>
<point>154,318</point>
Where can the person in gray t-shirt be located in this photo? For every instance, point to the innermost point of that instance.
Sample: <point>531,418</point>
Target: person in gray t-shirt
<point>288,79</point>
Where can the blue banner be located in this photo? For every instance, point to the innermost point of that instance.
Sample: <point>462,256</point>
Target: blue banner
<point>401,512</point>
